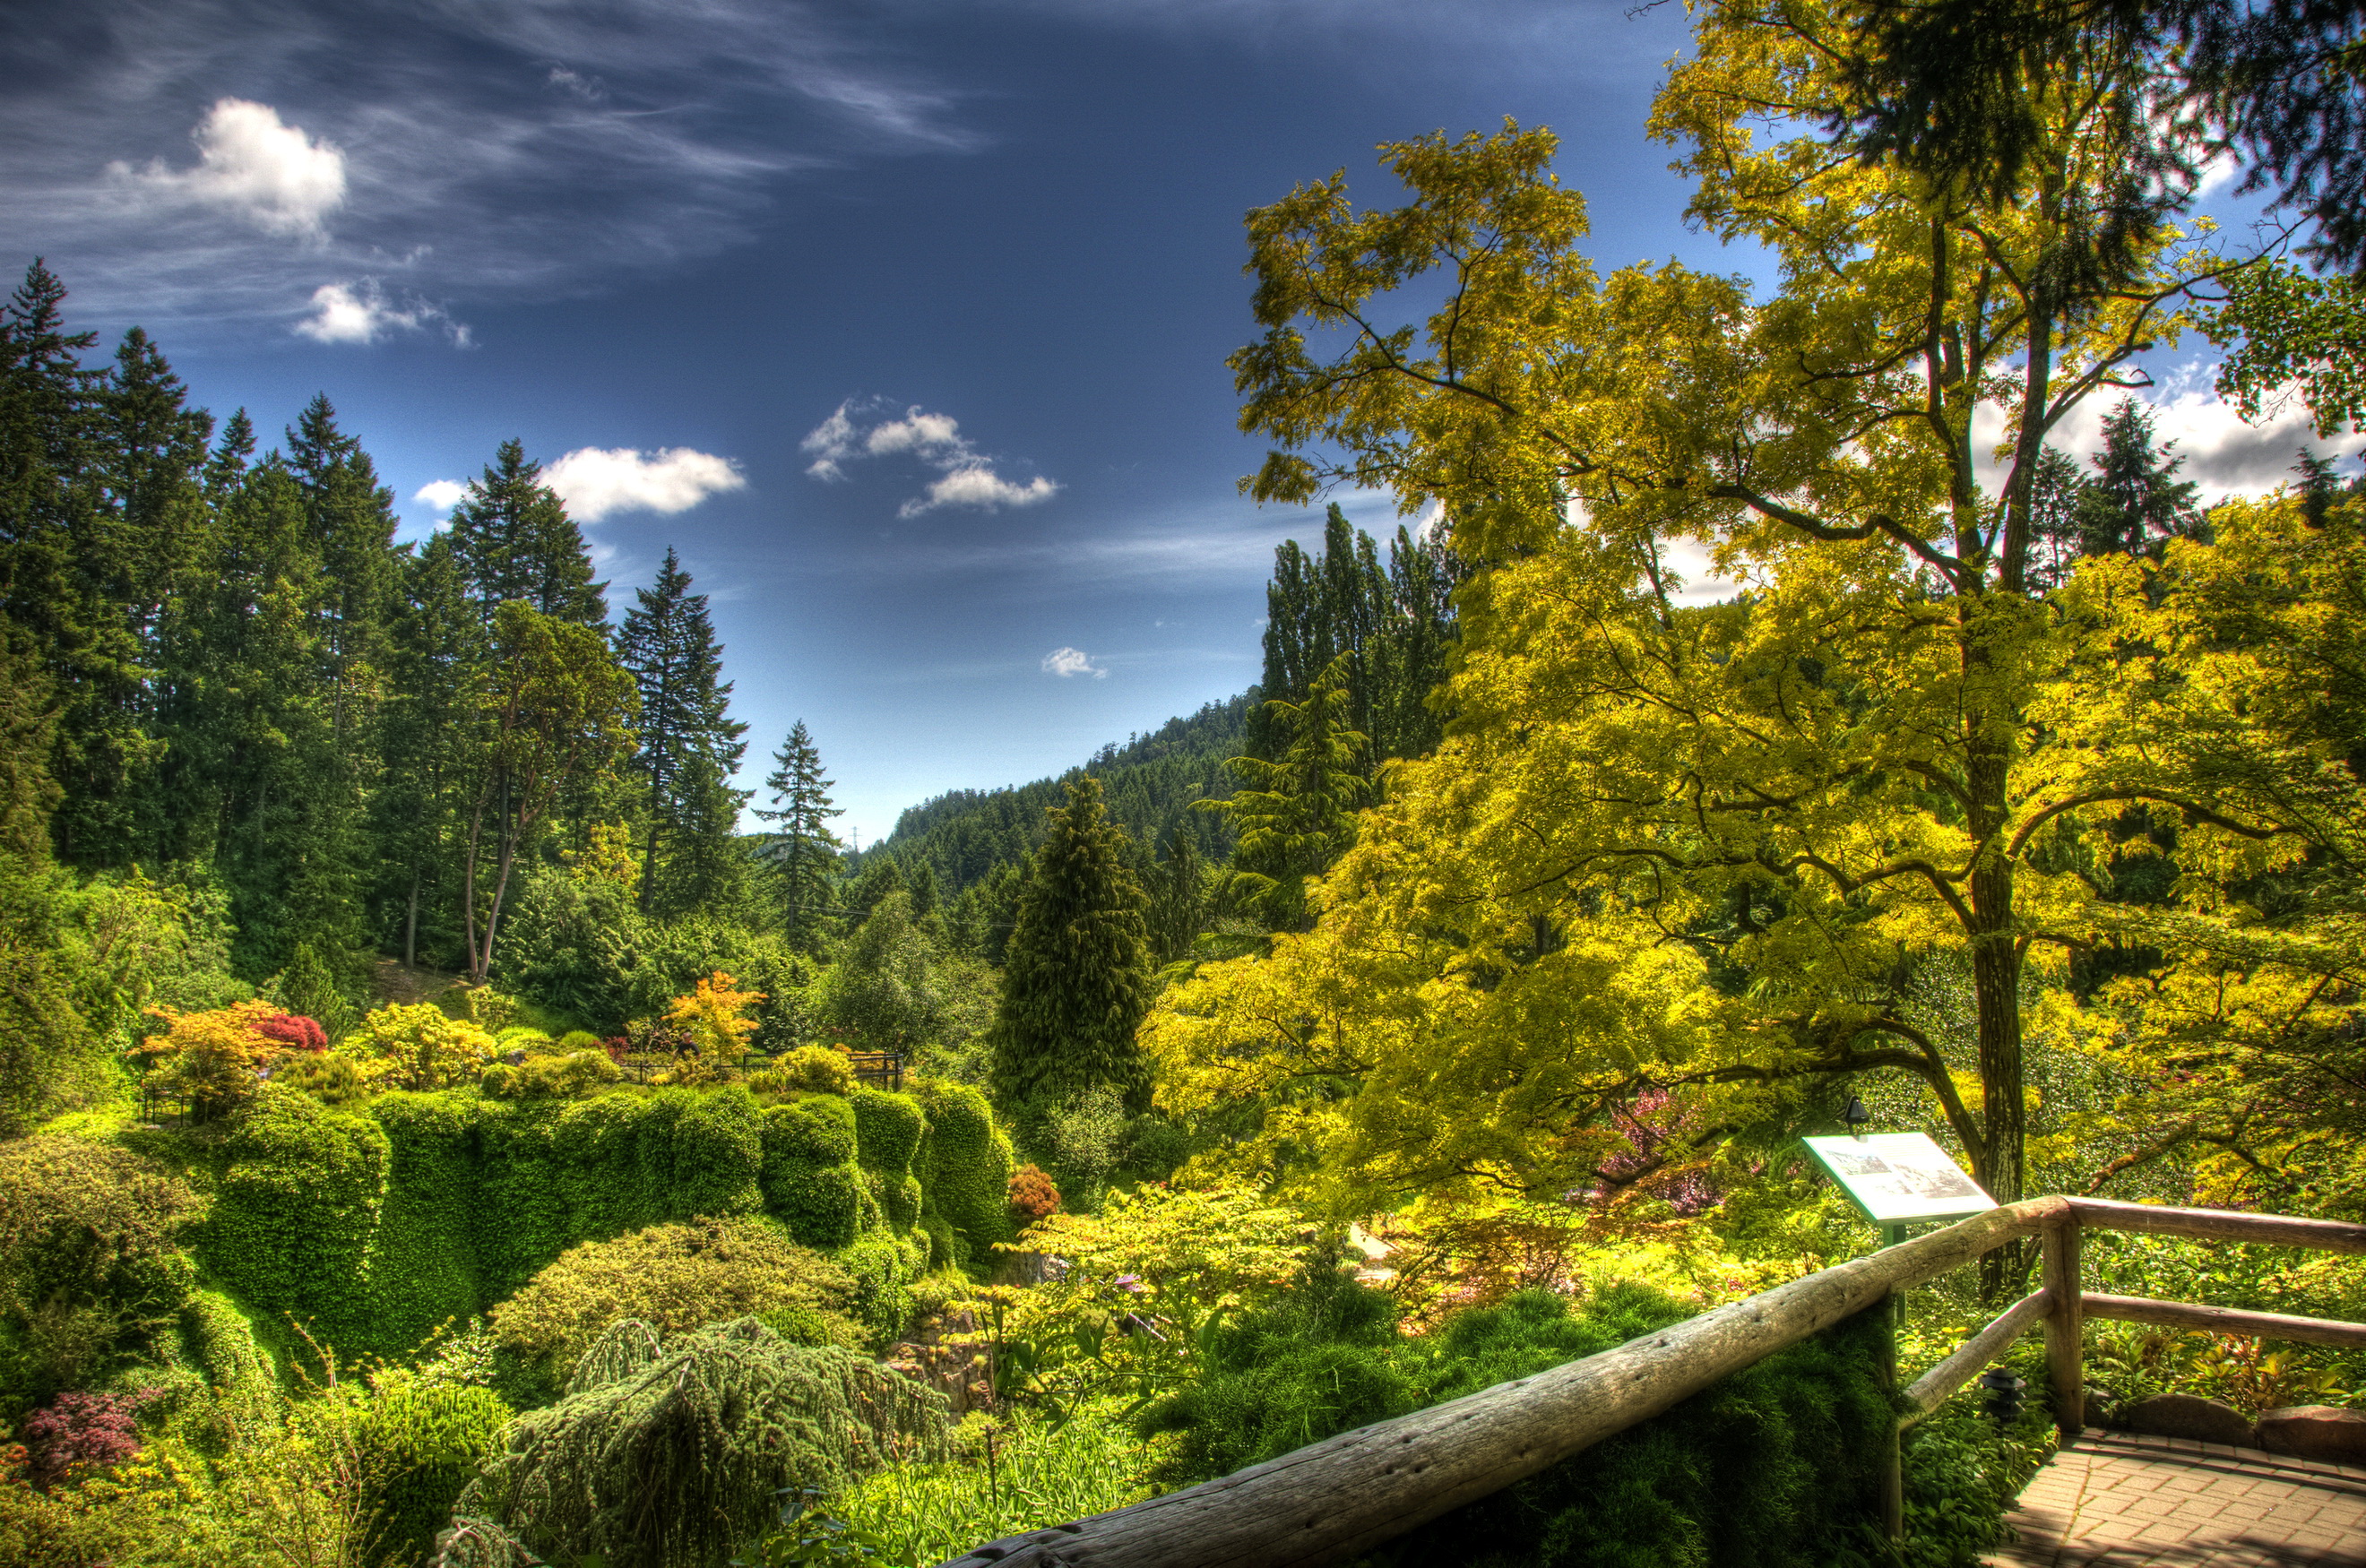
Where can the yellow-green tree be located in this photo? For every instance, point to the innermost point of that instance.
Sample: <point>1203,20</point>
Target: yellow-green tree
<point>550,717</point>
<point>1703,845</point>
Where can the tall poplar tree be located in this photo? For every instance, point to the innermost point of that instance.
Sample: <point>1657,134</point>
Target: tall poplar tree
<point>436,665</point>
<point>689,744</point>
<point>1076,978</point>
<point>804,851</point>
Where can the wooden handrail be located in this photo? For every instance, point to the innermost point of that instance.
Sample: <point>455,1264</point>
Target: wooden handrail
<point>2226,1320</point>
<point>1930,1390</point>
<point>2220,1225</point>
<point>1400,1474</point>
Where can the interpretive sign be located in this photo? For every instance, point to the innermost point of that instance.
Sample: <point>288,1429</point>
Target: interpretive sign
<point>1899,1177</point>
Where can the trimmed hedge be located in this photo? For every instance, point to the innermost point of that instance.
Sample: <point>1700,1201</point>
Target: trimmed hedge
<point>427,1440</point>
<point>964,1165</point>
<point>373,1225</point>
<point>294,1215</point>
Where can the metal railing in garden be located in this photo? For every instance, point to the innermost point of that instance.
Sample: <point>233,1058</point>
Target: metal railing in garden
<point>1332,1500</point>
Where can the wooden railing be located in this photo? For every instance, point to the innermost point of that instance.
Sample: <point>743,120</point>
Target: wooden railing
<point>1332,1500</point>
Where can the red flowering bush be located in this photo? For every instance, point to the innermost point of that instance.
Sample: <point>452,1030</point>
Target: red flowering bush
<point>83,1432</point>
<point>1032,1195</point>
<point>294,1030</point>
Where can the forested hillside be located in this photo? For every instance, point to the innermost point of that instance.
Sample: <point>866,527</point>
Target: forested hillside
<point>1150,782</point>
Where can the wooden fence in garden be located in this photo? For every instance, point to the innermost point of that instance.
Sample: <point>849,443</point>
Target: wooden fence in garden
<point>1332,1500</point>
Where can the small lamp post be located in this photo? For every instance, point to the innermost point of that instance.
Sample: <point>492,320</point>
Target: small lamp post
<point>1856,1116</point>
<point>2004,1395</point>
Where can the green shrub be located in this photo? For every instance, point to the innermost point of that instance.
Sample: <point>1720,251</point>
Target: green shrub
<point>888,1128</point>
<point>91,1272</point>
<point>964,1165</point>
<point>811,1182</point>
<point>718,1154</point>
<point>674,1456</point>
<point>883,1266</point>
<point>1043,1475</point>
<point>426,1441</point>
<point>677,1277</point>
<point>1322,1359</point>
<point>422,1255</point>
<point>581,1040</point>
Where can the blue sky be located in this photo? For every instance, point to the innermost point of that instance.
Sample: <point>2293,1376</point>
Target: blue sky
<point>903,322</point>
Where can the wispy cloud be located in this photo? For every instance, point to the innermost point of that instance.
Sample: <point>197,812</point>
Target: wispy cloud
<point>360,312</point>
<point>855,430</point>
<point>597,481</point>
<point>524,151</point>
<point>1066,662</point>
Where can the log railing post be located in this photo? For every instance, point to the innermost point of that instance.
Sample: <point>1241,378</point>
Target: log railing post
<point>2065,1328</point>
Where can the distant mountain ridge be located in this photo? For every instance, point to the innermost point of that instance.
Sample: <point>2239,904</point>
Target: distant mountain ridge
<point>1149,782</point>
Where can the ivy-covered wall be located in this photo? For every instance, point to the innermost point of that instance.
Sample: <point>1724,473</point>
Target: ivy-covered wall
<point>373,1225</point>
<point>963,1163</point>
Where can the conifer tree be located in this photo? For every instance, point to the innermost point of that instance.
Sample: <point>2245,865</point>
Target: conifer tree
<point>436,665</point>
<point>804,851</point>
<point>1298,816</point>
<point>515,541</point>
<point>2135,499</point>
<point>689,745</point>
<point>1076,978</point>
<point>1178,899</point>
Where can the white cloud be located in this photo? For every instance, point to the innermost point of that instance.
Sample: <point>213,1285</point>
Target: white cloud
<point>440,494</point>
<point>968,478</point>
<point>978,486</point>
<point>271,175</point>
<point>1066,662</point>
<point>360,312</point>
<point>595,481</point>
<point>2223,455</point>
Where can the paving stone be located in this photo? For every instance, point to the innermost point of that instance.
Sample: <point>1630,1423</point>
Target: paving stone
<point>2120,1499</point>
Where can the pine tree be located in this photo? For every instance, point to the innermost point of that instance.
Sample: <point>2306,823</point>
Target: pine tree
<point>2056,490</point>
<point>1298,816</point>
<point>689,744</point>
<point>1076,980</point>
<point>515,541</point>
<point>2135,499</point>
<point>804,851</point>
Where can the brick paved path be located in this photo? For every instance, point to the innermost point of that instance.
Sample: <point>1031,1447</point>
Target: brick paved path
<point>2116,1499</point>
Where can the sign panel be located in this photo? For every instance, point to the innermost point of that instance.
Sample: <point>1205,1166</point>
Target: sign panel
<point>1897,1177</point>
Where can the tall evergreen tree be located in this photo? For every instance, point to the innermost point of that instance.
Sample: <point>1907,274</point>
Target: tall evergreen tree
<point>1298,816</point>
<point>435,667</point>
<point>1076,978</point>
<point>2135,499</point>
<point>1177,898</point>
<point>1393,630</point>
<point>514,541</point>
<point>803,850</point>
<point>689,744</point>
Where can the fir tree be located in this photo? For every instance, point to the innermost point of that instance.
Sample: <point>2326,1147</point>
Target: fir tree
<point>2055,489</point>
<point>1177,898</point>
<point>515,541</point>
<point>1298,814</point>
<point>689,745</point>
<point>2135,499</point>
<point>1077,979</point>
<point>804,851</point>
<point>436,665</point>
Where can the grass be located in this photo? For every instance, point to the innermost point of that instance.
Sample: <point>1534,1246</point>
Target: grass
<point>926,1513</point>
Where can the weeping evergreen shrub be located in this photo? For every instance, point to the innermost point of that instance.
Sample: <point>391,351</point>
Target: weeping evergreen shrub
<point>672,1453</point>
